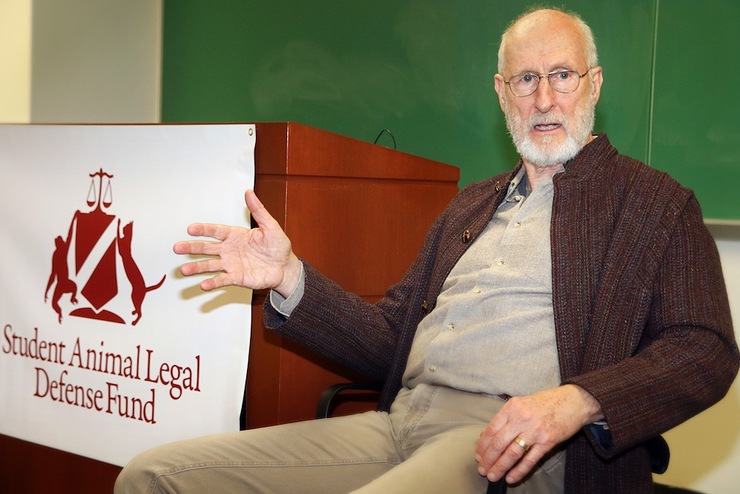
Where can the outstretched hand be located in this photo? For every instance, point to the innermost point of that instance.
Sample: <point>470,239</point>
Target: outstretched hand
<point>257,258</point>
<point>527,428</point>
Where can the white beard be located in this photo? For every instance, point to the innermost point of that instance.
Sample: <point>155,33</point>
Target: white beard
<point>546,154</point>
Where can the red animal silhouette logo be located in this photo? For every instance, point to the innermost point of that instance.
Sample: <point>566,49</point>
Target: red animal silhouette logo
<point>138,285</point>
<point>60,274</point>
<point>95,264</point>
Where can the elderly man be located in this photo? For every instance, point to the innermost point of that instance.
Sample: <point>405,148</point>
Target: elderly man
<point>557,318</point>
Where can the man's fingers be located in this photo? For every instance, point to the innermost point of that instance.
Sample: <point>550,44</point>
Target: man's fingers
<point>527,463</point>
<point>490,434</point>
<point>514,463</point>
<point>212,230</point>
<point>214,282</point>
<point>204,266</point>
<point>492,450</point>
<point>259,212</point>
<point>197,247</point>
<point>181,248</point>
<point>499,459</point>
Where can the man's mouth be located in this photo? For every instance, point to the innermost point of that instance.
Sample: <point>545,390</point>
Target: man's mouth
<point>546,126</point>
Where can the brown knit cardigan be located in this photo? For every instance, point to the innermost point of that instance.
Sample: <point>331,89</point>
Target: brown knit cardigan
<point>641,312</point>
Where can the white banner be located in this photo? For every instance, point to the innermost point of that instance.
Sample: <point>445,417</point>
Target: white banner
<point>106,348</point>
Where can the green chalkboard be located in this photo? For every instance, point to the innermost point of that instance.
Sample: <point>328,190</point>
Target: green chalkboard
<point>424,70</point>
<point>696,126</point>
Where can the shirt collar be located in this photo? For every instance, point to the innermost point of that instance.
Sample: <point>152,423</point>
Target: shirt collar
<point>518,187</point>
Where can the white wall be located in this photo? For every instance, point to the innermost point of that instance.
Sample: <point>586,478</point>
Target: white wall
<point>15,61</point>
<point>80,61</point>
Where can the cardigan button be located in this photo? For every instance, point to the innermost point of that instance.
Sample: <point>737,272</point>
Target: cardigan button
<point>425,306</point>
<point>466,236</point>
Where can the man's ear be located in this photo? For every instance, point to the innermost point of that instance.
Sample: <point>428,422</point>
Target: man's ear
<point>500,87</point>
<point>597,77</point>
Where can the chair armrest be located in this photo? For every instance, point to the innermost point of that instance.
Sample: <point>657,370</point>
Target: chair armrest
<point>498,487</point>
<point>328,397</point>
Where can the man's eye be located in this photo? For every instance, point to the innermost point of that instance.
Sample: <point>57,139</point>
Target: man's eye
<point>562,75</point>
<point>527,78</point>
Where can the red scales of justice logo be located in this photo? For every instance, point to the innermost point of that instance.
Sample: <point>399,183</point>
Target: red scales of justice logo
<point>90,263</point>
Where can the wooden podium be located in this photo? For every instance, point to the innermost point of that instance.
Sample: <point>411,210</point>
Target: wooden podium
<point>356,211</point>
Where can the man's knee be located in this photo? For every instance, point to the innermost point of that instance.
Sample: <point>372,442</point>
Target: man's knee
<point>138,476</point>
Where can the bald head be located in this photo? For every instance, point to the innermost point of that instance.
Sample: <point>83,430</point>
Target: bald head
<point>549,122</point>
<point>546,29</point>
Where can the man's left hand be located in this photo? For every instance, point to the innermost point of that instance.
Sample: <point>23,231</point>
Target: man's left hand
<point>527,427</point>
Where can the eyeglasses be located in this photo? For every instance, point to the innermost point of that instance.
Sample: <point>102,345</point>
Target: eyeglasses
<point>562,81</point>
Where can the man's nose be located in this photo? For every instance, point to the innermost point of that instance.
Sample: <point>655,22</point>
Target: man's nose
<point>544,95</point>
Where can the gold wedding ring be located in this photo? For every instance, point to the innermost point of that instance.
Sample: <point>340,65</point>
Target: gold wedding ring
<point>522,443</point>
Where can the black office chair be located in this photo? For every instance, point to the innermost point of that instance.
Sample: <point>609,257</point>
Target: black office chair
<point>336,393</point>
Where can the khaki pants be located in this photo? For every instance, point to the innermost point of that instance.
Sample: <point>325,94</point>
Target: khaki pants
<point>424,445</point>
